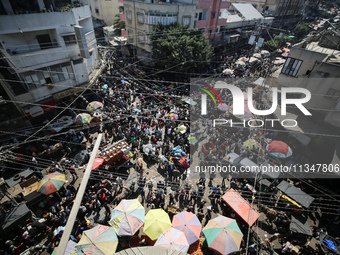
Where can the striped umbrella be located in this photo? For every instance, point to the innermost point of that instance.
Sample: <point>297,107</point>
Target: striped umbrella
<point>189,224</point>
<point>128,217</point>
<point>83,118</point>
<point>51,183</point>
<point>223,235</point>
<point>100,240</point>
<point>173,239</point>
<point>93,106</point>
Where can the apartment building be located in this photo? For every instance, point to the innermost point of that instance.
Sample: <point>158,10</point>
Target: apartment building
<point>140,16</point>
<point>104,10</point>
<point>315,66</point>
<point>48,55</point>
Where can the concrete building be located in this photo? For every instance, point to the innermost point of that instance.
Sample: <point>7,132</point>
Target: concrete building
<point>48,55</point>
<point>221,22</point>
<point>104,10</point>
<point>140,16</point>
<point>317,68</point>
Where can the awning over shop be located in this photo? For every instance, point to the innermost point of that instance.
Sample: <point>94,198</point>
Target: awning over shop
<point>298,195</point>
<point>241,206</point>
<point>15,217</point>
<point>299,224</point>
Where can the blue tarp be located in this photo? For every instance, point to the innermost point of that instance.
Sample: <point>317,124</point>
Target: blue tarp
<point>330,244</point>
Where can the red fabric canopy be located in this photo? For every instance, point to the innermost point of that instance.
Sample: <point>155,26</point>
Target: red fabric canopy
<point>241,206</point>
<point>97,163</point>
<point>278,146</point>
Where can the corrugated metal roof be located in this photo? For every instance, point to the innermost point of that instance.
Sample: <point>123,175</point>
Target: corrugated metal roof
<point>248,11</point>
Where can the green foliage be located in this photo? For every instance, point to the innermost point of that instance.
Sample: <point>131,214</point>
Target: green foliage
<point>301,30</point>
<point>279,43</point>
<point>118,25</point>
<point>175,45</point>
<point>325,15</point>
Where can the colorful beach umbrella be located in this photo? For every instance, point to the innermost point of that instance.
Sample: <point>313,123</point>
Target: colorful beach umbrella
<point>93,106</point>
<point>240,63</point>
<point>128,217</point>
<point>100,240</point>
<point>189,224</point>
<point>156,222</point>
<point>83,118</point>
<point>279,149</point>
<point>172,116</point>
<point>51,183</point>
<point>173,239</point>
<point>223,235</point>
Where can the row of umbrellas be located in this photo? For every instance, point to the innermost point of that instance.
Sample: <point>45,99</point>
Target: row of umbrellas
<point>222,234</point>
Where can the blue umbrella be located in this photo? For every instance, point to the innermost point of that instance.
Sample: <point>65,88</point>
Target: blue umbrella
<point>105,86</point>
<point>137,110</point>
<point>191,102</point>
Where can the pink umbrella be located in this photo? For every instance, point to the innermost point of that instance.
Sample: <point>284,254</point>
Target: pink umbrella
<point>223,107</point>
<point>173,239</point>
<point>189,224</point>
<point>285,54</point>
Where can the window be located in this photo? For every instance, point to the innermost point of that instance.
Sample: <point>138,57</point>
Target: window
<point>69,39</point>
<point>140,17</point>
<point>186,20</point>
<point>164,19</point>
<point>44,41</point>
<point>333,94</point>
<point>129,15</point>
<point>97,11</point>
<point>141,37</point>
<point>212,15</point>
<point>209,32</point>
<point>291,66</point>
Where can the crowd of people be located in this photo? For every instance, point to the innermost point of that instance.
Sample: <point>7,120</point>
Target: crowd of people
<point>141,111</point>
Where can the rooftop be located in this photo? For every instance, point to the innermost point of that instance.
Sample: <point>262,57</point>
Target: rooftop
<point>247,11</point>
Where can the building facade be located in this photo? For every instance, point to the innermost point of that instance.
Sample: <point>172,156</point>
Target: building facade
<point>47,54</point>
<point>141,16</point>
<point>317,69</point>
<point>104,10</point>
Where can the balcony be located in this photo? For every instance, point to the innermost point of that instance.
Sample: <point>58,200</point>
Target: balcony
<point>42,58</point>
<point>90,39</point>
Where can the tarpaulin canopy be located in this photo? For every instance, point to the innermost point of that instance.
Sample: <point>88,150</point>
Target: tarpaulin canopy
<point>15,217</point>
<point>299,224</point>
<point>298,195</point>
<point>241,206</point>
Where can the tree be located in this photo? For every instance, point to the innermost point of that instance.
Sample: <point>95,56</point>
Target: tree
<point>177,47</point>
<point>118,24</point>
<point>301,30</point>
<point>279,43</point>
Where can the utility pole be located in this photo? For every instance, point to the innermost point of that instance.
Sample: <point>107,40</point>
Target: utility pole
<point>75,208</point>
